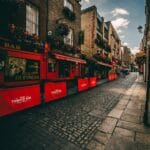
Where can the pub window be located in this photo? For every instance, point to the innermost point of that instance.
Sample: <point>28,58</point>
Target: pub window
<point>81,37</point>
<point>69,38</point>
<point>20,69</point>
<point>2,61</point>
<point>64,69</point>
<point>32,19</point>
<point>68,5</point>
<point>51,65</point>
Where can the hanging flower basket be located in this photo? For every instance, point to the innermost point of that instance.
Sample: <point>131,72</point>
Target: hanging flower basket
<point>69,14</point>
<point>62,29</point>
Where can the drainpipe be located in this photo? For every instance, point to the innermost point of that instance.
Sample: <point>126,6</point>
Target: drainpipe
<point>47,17</point>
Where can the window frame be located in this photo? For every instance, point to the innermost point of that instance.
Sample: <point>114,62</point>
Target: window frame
<point>35,9</point>
<point>71,40</point>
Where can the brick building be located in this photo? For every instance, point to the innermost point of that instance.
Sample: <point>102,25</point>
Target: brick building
<point>66,12</point>
<point>29,14</point>
<point>95,32</point>
<point>114,41</point>
<point>125,56</point>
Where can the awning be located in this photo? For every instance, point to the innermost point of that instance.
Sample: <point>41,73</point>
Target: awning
<point>104,64</point>
<point>68,58</point>
<point>101,63</point>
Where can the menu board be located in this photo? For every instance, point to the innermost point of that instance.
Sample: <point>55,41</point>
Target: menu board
<point>20,69</point>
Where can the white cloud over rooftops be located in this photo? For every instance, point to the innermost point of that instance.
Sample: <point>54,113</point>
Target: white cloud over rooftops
<point>87,1</point>
<point>119,11</point>
<point>120,23</point>
<point>135,50</point>
<point>125,44</point>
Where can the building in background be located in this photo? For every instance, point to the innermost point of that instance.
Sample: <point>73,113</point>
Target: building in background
<point>125,56</point>
<point>114,42</point>
<point>95,31</point>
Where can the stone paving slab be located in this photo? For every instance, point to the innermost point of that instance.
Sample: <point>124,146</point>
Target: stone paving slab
<point>134,112</point>
<point>94,145</point>
<point>131,118</point>
<point>143,138</point>
<point>102,137</point>
<point>133,126</point>
<point>108,125</point>
<point>120,106</point>
<point>120,132</point>
<point>123,102</point>
<point>117,143</point>
<point>116,113</point>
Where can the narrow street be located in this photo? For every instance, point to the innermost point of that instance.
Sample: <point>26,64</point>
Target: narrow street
<point>67,124</point>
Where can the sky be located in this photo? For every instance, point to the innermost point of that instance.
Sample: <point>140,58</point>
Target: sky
<point>125,15</point>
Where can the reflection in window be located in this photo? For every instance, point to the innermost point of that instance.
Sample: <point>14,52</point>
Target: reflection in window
<point>51,65</point>
<point>19,69</point>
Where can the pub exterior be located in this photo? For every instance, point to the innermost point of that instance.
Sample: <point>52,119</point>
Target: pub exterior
<point>40,55</point>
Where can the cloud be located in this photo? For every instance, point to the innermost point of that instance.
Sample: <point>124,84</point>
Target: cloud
<point>135,50</point>
<point>119,11</point>
<point>120,23</point>
<point>125,44</point>
<point>119,31</point>
<point>87,1</point>
<point>122,36</point>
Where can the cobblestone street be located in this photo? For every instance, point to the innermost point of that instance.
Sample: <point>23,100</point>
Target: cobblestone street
<point>67,124</point>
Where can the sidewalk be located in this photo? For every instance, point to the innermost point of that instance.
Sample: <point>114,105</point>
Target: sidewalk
<point>123,128</point>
